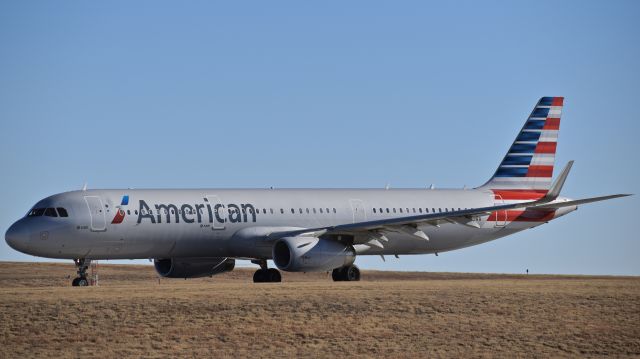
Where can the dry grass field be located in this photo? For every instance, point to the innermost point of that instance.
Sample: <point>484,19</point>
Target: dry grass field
<point>387,314</point>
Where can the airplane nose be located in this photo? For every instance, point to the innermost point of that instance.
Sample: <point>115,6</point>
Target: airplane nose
<point>17,237</point>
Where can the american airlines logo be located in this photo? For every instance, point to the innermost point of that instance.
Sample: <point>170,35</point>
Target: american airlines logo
<point>120,213</point>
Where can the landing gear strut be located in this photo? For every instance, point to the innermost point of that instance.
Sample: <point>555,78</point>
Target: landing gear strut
<point>81,280</point>
<point>265,274</point>
<point>349,273</point>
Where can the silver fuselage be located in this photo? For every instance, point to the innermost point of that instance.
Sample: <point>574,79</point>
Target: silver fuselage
<point>164,223</point>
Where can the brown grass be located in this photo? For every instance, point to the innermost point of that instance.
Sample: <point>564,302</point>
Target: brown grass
<point>389,314</point>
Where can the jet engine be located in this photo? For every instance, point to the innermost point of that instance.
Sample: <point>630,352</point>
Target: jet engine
<point>311,254</point>
<point>193,267</point>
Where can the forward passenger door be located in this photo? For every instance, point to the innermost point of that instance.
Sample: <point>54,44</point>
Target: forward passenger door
<point>96,211</point>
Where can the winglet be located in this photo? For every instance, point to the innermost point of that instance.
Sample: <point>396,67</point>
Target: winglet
<point>556,187</point>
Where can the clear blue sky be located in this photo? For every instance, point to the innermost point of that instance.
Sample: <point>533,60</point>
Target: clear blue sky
<point>330,94</point>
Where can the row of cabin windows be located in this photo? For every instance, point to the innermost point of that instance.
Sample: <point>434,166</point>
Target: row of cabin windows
<point>249,210</point>
<point>48,212</point>
<point>315,210</point>
<point>418,211</point>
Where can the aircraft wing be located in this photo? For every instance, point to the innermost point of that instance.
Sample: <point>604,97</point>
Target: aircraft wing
<point>468,217</point>
<point>410,224</point>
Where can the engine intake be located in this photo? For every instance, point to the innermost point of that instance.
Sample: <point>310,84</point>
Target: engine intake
<point>193,267</point>
<point>311,254</point>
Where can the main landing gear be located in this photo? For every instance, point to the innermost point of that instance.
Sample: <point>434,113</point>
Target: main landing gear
<point>81,280</point>
<point>265,274</point>
<point>348,274</point>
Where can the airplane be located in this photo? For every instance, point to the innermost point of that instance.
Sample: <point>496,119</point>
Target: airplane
<point>191,233</point>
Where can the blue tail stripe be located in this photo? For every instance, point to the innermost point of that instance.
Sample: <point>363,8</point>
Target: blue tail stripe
<point>546,101</point>
<point>534,124</point>
<point>540,112</point>
<point>517,160</point>
<point>523,148</point>
<point>512,171</point>
<point>528,136</point>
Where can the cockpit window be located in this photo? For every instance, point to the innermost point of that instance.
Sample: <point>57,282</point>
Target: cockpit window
<point>50,212</point>
<point>36,212</point>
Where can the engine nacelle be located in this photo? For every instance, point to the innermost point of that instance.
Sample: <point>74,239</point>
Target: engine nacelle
<point>193,267</point>
<point>311,254</point>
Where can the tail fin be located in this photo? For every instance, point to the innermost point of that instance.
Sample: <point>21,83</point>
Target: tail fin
<point>528,166</point>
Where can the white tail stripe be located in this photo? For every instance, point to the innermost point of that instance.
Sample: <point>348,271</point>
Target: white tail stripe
<point>549,136</point>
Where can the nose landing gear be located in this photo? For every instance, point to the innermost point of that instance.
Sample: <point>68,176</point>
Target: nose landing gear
<point>265,274</point>
<point>82,264</point>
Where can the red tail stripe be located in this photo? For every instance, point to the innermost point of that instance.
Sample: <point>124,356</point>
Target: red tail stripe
<point>552,124</point>
<point>540,171</point>
<point>519,194</point>
<point>557,101</point>
<point>546,147</point>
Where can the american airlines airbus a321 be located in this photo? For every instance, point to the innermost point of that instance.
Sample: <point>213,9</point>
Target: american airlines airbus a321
<point>200,232</point>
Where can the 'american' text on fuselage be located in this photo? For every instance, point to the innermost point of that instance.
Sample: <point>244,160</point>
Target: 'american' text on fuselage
<point>232,213</point>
